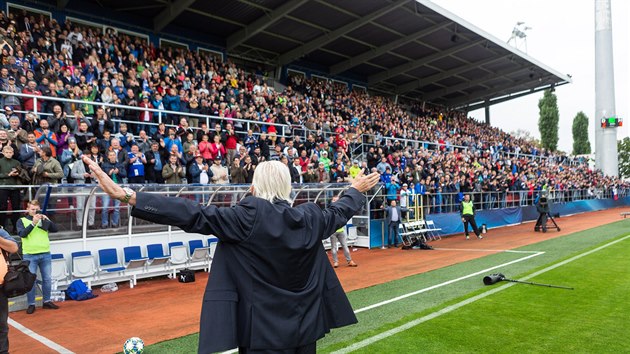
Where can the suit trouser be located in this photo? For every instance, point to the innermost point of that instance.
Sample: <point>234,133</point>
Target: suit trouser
<point>470,219</point>
<point>305,349</point>
<point>392,233</point>
<point>343,240</point>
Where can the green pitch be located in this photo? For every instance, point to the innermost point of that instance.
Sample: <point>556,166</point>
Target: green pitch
<point>402,316</point>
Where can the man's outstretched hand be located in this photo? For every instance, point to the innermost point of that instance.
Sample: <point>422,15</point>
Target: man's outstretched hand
<point>107,184</point>
<point>365,183</point>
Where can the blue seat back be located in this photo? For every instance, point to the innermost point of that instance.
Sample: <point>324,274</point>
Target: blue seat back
<point>107,256</point>
<point>212,240</point>
<point>56,256</point>
<point>173,244</point>
<point>81,254</point>
<point>193,244</point>
<point>132,252</point>
<point>155,251</point>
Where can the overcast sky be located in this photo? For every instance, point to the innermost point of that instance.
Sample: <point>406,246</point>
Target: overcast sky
<point>562,37</point>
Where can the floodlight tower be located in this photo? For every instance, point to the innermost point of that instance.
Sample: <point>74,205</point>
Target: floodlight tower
<point>606,121</point>
<point>518,39</point>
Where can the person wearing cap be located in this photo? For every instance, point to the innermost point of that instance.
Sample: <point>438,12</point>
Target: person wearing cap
<point>323,158</point>
<point>322,175</point>
<point>354,170</point>
<point>12,101</point>
<point>69,157</point>
<point>220,173</point>
<point>272,288</point>
<point>200,171</point>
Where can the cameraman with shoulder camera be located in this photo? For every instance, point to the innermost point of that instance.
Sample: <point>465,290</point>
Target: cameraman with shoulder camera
<point>542,207</point>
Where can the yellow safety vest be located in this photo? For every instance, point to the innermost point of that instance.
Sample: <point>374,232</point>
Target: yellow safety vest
<point>467,208</point>
<point>37,241</point>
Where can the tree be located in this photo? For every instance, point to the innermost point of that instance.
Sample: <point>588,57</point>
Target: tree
<point>623,150</point>
<point>548,121</point>
<point>525,135</point>
<point>581,145</point>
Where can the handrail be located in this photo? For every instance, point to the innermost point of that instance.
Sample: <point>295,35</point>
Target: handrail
<point>134,108</point>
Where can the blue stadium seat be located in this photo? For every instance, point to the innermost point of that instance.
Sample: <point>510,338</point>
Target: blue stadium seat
<point>108,261</point>
<point>173,244</point>
<point>155,251</point>
<point>193,244</point>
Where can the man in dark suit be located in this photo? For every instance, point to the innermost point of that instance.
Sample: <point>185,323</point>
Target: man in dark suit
<point>393,217</point>
<point>272,287</point>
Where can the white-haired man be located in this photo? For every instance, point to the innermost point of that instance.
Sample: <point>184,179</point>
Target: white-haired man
<point>272,288</point>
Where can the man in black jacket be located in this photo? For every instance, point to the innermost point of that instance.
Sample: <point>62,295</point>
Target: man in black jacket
<point>272,287</point>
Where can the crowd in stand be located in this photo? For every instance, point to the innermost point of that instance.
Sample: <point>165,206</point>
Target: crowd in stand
<point>430,152</point>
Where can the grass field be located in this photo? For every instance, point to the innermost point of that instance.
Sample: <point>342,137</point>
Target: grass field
<point>460,314</point>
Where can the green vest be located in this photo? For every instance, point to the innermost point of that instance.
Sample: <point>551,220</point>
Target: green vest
<point>37,241</point>
<point>340,229</point>
<point>467,208</point>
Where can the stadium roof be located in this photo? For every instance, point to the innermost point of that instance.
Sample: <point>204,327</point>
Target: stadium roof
<point>411,48</point>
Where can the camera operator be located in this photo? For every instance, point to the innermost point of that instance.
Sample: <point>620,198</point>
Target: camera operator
<point>542,207</point>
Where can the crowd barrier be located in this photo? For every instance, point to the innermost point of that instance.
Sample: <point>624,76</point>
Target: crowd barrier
<point>451,223</point>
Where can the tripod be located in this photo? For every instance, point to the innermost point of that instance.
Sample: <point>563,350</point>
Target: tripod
<point>541,223</point>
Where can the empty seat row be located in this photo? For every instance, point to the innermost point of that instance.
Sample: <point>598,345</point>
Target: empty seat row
<point>133,264</point>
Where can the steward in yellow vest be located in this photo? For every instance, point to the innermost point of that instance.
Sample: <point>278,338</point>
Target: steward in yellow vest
<point>34,229</point>
<point>467,212</point>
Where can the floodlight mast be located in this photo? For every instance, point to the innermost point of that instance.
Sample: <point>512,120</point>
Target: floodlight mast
<point>519,38</point>
<point>606,157</point>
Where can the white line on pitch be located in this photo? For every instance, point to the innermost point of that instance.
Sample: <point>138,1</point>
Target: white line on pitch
<point>45,341</point>
<point>401,297</point>
<point>394,331</point>
<point>483,250</point>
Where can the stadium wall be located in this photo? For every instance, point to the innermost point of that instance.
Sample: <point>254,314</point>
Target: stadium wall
<point>451,223</point>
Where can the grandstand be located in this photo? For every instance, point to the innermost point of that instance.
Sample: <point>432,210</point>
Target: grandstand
<point>329,88</point>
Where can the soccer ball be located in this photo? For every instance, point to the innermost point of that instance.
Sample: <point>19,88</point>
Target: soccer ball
<point>133,345</point>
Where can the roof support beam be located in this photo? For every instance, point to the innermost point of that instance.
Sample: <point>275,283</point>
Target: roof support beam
<point>410,86</point>
<point>422,61</point>
<point>262,23</point>
<point>331,36</point>
<point>371,54</point>
<point>172,10</point>
<point>477,106</point>
<point>472,83</point>
<point>61,4</point>
<point>488,94</point>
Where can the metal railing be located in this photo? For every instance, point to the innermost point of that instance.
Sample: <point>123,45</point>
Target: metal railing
<point>284,130</point>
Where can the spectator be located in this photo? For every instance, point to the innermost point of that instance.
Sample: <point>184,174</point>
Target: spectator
<point>45,137</point>
<point>237,173</point>
<point>69,157</point>
<point>200,171</point>
<point>117,172</point>
<point>219,173</point>
<point>125,138</point>
<point>17,135</point>
<point>137,162</point>
<point>153,168</point>
<point>46,169</point>
<point>29,152</point>
<point>173,171</point>
<point>9,176</point>
<point>33,229</point>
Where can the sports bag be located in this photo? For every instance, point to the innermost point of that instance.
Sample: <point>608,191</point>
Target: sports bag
<point>186,276</point>
<point>19,280</point>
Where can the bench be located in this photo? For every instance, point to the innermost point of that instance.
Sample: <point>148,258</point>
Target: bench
<point>625,213</point>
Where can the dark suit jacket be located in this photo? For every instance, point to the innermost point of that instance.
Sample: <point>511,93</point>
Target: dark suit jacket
<point>271,284</point>
<point>388,213</point>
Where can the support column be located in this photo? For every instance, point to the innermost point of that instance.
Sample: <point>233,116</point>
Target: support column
<point>486,108</point>
<point>606,157</point>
